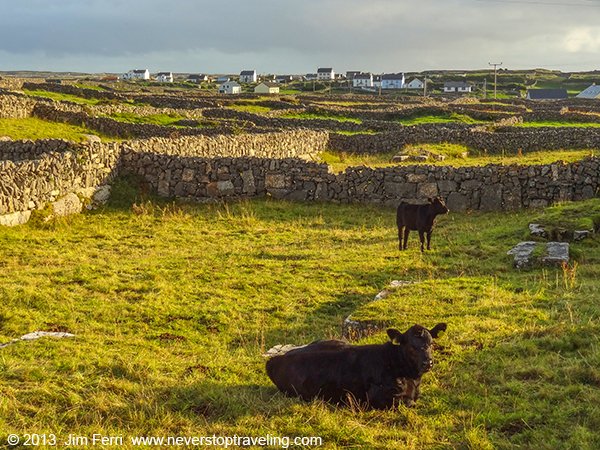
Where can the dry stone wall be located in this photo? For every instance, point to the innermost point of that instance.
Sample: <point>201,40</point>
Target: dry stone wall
<point>29,184</point>
<point>15,106</point>
<point>502,139</point>
<point>489,188</point>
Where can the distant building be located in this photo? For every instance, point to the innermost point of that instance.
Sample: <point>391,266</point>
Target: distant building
<point>325,74</point>
<point>592,91</point>
<point>350,74</point>
<point>361,80</point>
<point>376,81</point>
<point>197,78</point>
<point>547,94</point>
<point>311,77</point>
<point>392,81</point>
<point>230,87</point>
<point>267,88</point>
<point>284,78</point>
<point>415,83</point>
<point>164,77</point>
<point>223,79</point>
<point>248,76</point>
<point>137,74</point>
<point>457,87</point>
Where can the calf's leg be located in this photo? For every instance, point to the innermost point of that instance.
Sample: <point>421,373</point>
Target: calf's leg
<point>406,231</point>
<point>400,237</point>
<point>429,239</point>
<point>422,239</point>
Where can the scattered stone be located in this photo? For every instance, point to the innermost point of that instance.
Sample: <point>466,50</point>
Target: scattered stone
<point>91,138</point>
<point>400,158</point>
<point>522,253</point>
<point>5,138</point>
<point>69,204</point>
<point>37,335</point>
<point>356,329</point>
<point>14,219</point>
<point>579,235</point>
<point>280,349</point>
<point>537,230</point>
<point>557,253</point>
<point>102,194</point>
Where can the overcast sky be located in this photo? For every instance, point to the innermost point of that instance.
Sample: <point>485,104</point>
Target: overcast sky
<point>285,36</point>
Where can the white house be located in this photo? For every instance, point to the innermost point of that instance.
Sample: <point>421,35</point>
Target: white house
<point>592,91</point>
<point>164,77</point>
<point>230,87</point>
<point>248,76</point>
<point>392,81</point>
<point>457,87</point>
<point>361,80</point>
<point>325,74</point>
<point>415,83</point>
<point>137,74</point>
<point>267,88</point>
<point>311,77</point>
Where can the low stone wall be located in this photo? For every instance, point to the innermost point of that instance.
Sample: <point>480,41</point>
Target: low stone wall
<point>15,106</point>
<point>11,83</point>
<point>30,184</point>
<point>503,139</point>
<point>33,173</point>
<point>114,128</point>
<point>489,188</point>
<point>289,144</point>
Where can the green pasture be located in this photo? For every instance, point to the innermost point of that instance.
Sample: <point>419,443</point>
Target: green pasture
<point>455,155</point>
<point>322,116</point>
<point>34,128</point>
<point>61,97</point>
<point>173,304</point>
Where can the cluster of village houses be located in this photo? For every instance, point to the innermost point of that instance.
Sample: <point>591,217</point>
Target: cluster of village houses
<point>359,80</point>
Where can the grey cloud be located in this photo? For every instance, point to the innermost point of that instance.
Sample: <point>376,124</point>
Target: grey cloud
<point>373,35</point>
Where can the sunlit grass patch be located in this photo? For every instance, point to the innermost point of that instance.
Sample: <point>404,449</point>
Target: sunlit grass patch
<point>34,128</point>
<point>61,97</point>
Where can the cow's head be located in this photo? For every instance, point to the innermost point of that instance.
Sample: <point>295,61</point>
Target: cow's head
<point>438,206</point>
<point>416,345</point>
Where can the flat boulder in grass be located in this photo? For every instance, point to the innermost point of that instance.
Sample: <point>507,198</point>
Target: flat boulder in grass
<point>557,253</point>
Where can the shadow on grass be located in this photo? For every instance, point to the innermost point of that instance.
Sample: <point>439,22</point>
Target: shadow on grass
<point>218,402</point>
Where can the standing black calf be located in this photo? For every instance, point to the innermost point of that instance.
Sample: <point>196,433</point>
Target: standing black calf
<point>420,218</point>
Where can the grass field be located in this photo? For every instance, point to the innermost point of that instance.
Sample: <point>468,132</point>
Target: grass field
<point>442,118</point>
<point>62,97</point>
<point>454,156</point>
<point>173,304</point>
<point>154,119</point>
<point>34,128</point>
<point>320,116</point>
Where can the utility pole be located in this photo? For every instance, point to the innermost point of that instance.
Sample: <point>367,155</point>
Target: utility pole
<point>495,78</point>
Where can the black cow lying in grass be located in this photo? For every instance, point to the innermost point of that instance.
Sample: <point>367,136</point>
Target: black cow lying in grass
<point>420,218</point>
<point>376,376</point>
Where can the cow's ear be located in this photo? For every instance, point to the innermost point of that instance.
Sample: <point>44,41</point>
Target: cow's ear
<point>395,336</point>
<point>438,330</point>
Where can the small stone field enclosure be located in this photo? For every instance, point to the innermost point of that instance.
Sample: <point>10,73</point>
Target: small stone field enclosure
<point>217,147</point>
